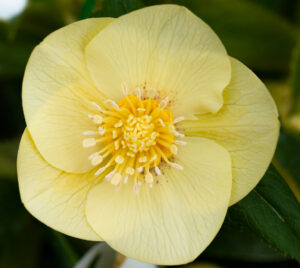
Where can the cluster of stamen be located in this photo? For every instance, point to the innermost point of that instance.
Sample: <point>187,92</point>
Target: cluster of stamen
<point>136,135</point>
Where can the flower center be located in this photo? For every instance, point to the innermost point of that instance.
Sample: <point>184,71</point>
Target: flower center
<point>136,135</point>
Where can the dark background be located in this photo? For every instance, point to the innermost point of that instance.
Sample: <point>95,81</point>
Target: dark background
<point>263,34</point>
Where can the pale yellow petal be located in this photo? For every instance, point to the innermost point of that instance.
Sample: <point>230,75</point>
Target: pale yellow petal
<point>54,197</point>
<point>247,126</point>
<point>57,95</point>
<point>164,47</point>
<point>173,222</point>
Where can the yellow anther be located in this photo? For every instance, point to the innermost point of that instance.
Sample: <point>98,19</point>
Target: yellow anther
<point>97,119</point>
<point>88,142</point>
<point>119,159</point>
<point>96,160</point>
<point>116,178</point>
<point>129,171</point>
<point>143,159</point>
<point>149,178</point>
<point>173,149</point>
<point>119,124</point>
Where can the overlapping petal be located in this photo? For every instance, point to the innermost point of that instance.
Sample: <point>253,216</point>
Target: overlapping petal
<point>57,94</point>
<point>247,126</point>
<point>54,197</point>
<point>173,222</point>
<point>163,47</point>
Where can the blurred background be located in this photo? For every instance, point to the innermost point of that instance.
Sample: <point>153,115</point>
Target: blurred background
<point>263,34</point>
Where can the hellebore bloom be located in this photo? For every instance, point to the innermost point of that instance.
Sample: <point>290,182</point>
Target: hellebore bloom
<point>141,131</point>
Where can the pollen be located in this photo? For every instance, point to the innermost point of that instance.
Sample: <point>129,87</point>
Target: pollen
<point>136,136</point>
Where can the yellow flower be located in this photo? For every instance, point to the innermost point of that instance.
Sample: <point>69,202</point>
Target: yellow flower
<point>141,131</point>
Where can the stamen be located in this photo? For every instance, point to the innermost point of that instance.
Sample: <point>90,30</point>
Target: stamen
<point>175,165</point>
<point>111,104</point>
<point>139,93</point>
<point>96,160</point>
<point>180,142</point>
<point>152,92</point>
<point>99,171</point>
<point>161,122</point>
<point>110,175</point>
<point>140,169</point>
<point>157,171</point>
<point>119,124</point>
<point>97,119</point>
<point>119,159</point>
<point>89,142</point>
<point>124,88</point>
<point>125,180</point>
<point>101,131</point>
<point>163,104</point>
<point>98,107</point>
<point>115,180</point>
<point>173,149</point>
<point>178,134</point>
<point>136,135</point>
<point>129,171</point>
<point>149,178</point>
<point>178,119</point>
<point>88,133</point>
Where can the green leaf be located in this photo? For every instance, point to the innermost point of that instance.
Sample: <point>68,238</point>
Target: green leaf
<point>295,78</point>
<point>259,38</point>
<point>116,8</point>
<point>287,159</point>
<point>87,8</point>
<point>241,245</point>
<point>64,251</point>
<point>272,212</point>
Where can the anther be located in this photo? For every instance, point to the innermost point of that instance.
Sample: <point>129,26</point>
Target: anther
<point>115,180</point>
<point>140,169</point>
<point>114,134</point>
<point>89,142</point>
<point>173,149</point>
<point>180,142</point>
<point>157,171</point>
<point>109,175</point>
<point>119,159</point>
<point>161,122</point>
<point>99,171</point>
<point>152,92</point>
<point>97,119</point>
<point>175,165</point>
<point>88,133</point>
<point>101,131</point>
<point>139,93</point>
<point>163,104</point>
<point>119,124</point>
<point>111,104</point>
<point>129,171</point>
<point>143,159</point>
<point>98,107</point>
<point>96,160</point>
<point>178,119</point>
<point>124,88</point>
<point>178,134</point>
<point>149,178</point>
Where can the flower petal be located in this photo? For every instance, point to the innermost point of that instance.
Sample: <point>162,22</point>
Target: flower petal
<point>54,197</point>
<point>173,222</point>
<point>57,95</point>
<point>164,47</point>
<point>247,126</point>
